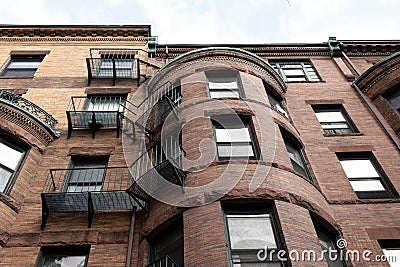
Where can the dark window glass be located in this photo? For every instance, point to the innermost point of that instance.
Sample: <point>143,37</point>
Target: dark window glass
<point>328,241</point>
<point>63,257</point>
<point>22,66</point>
<point>299,71</point>
<point>11,157</point>
<point>296,155</point>
<point>106,108</point>
<point>86,174</point>
<point>166,249</point>
<point>365,175</point>
<point>223,83</point>
<point>334,119</point>
<point>275,101</point>
<point>394,99</point>
<point>234,138</point>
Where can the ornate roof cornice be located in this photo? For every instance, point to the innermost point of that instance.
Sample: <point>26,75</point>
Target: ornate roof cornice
<point>278,50</point>
<point>75,33</point>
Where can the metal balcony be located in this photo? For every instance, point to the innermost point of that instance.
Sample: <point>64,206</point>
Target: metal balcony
<point>163,262</point>
<point>99,112</point>
<point>31,109</point>
<point>113,63</point>
<point>159,161</point>
<point>88,190</point>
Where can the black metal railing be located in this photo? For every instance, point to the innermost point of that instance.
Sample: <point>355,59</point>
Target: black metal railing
<point>164,161</point>
<point>163,262</point>
<point>99,112</point>
<point>88,190</point>
<point>23,104</point>
<point>114,63</point>
<point>155,108</point>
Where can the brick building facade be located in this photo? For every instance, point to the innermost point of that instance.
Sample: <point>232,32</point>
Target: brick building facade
<point>118,151</point>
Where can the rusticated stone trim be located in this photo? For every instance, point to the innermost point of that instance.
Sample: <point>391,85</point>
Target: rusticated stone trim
<point>90,151</point>
<point>4,237</point>
<point>354,148</point>
<point>384,233</point>
<point>10,202</point>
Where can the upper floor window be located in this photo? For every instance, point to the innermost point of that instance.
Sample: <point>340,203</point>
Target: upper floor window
<point>122,65</point>
<point>22,66</point>
<point>11,157</point>
<point>366,176</point>
<point>275,101</point>
<point>224,83</point>
<point>249,231</point>
<point>296,71</point>
<point>104,103</point>
<point>394,99</point>
<point>296,154</point>
<point>391,249</point>
<point>334,119</point>
<point>234,137</point>
<point>63,257</point>
<point>86,174</point>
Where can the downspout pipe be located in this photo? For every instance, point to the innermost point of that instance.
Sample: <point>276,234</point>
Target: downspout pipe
<point>130,240</point>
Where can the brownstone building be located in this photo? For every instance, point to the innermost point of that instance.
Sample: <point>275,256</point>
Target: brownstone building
<point>119,151</point>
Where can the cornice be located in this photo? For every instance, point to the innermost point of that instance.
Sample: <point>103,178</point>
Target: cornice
<point>75,31</point>
<point>73,39</point>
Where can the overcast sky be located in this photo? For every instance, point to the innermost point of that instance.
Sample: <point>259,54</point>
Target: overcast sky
<point>222,21</point>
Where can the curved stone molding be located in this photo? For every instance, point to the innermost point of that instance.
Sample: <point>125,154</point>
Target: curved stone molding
<point>237,58</point>
<point>28,116</point>
<point>380,77</point>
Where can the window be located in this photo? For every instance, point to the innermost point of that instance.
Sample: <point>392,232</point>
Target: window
<point>22,66</point>
<point>334,119</point>
<point>366,176</point>
<point>11,157</point>
<point>296,154</point>
<point>234,137</point>
<point>86,174</point>
<point>63,257</point>
<point>296,71</point>
<point>166,247</point>
<point>124,65</point>
<point>328,241</point>
<point>391,249</point>
<point>394,100</point>
<point>106,108</point>
<point>275,101</point>
<point>249,231</point>
<point>223,83</point>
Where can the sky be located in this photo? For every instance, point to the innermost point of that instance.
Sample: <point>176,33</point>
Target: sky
<point>221,21</point>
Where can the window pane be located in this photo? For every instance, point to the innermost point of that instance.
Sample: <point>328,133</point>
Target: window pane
<point>9,157</point>
<point>359,168</point>
<point>330,116</point>
<point>24,65</point>
<point>65,261</point>
<point>367,185</point>
<point>393,256</point>
<point>111,103</point>
<point>337,125</point>
<point>294,154</point>
<point>250,232</point>
<point>293,72</point>
<point>296,79</point>
<point>5,176</point>
<point>222,85</point>
<point>86,176</point>
<point>235,150</point>
<point>19,73</point>
<point>224,93</point>
<point>276,104</point>
<point>233,135</point>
